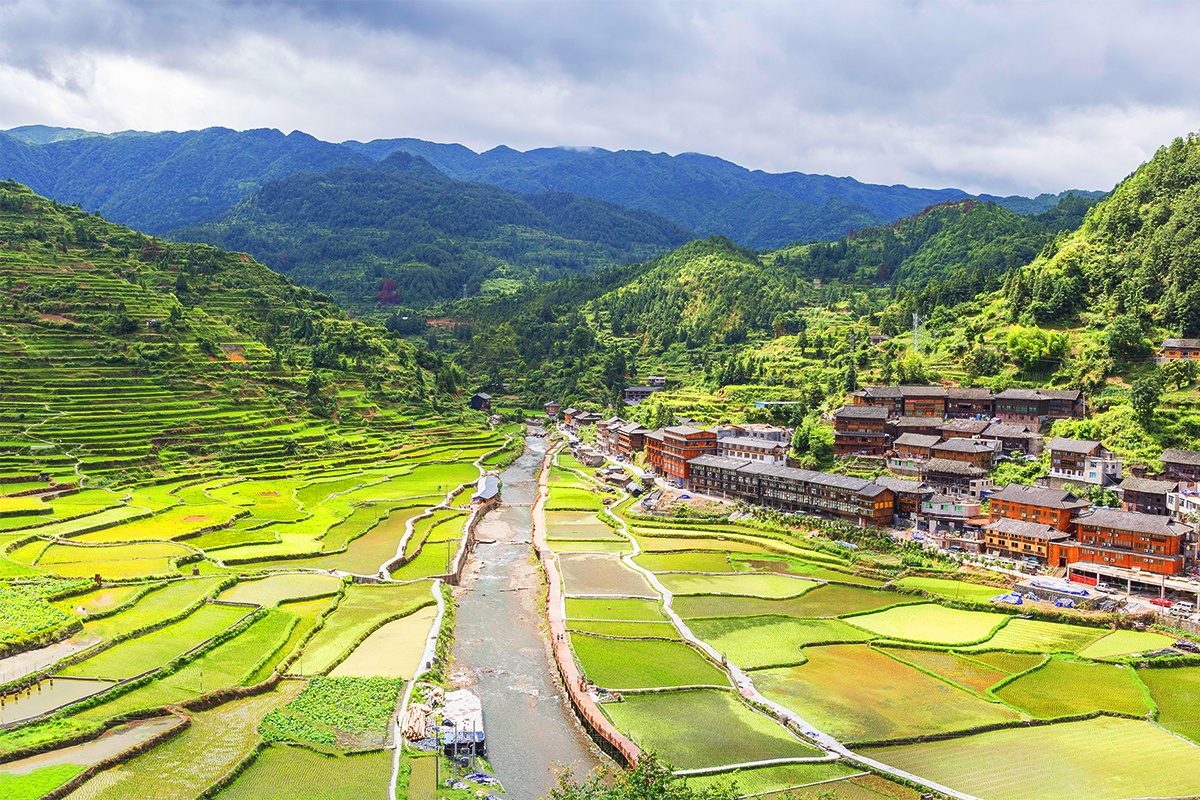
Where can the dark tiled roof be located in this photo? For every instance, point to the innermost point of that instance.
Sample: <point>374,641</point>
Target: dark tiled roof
<point>1062,394</point>
<point>1037,496</point>
<point>917,422</point>
<point>1190,457</point>
<point>965,425</point>
<point>1020,394</point>
<point>483,395</point>
<point>1002,431</point>
<point>1030,530</point>
<point>1133,521</point>
<point>904,485</point>
<point>1147,486</point>
<point>960,445</point>
<point>1081,446</point>
<point>750,442</point>
<point>947,466</point>
<point>968,393</point>
<point>682,430</point>
<point>720,462</point>
<point>1190,343</point>
<point>880,392</point>
<point>657,435</point>
<point>861,412</point>
<point>859,485</point>
<point>917,440</point>
<point>923,391</point>
<point>632,427</point>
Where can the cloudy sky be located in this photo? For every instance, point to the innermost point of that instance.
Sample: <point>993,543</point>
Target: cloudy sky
<point>985,96</point>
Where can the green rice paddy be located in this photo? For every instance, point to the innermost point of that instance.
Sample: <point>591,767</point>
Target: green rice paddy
<point>1123,643</point>
<point>931,623</point>
<point>768,585</point>
<point>1037,636</point>
<point>732,733</point>
<point>1105,758</point>
<point>643,663</point>
<point>753,642</point>
<point>1176,692</point>
<point>284,772</point>
<point>1065,688</point>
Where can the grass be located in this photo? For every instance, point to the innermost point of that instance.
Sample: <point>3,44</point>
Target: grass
<point>1036,636</point>
<point>952,590</point>
<point>154,649</point>
<point>964,672</point>
<point>643,663</point>
<point>186,765</point>
<point>567,498</point>
<point>768,585</point>
<point>859,694</point>
<point>931,623</point>
<point>1065,688</point>
<point>752,642</point>
<point>283,772</point>
<point>344,712</point>
<point>699,606</point>
<point>37,782</point>
<point>1101,759</point>
<point>393,651</point>
<point>625,630</point>
<point>1123,643</point>
<point>1176,692</point>
<point>732,733</point>
<point>601,573</point>
<point>275,589</point>
<point>790,566</point>
<point>695,561</point>
<point>614,608</point>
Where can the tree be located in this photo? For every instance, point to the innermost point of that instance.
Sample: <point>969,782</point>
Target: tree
<point>1178,372</point>
<point>1144,395</point>
<point>1125,338</point>
<point>650,779</point>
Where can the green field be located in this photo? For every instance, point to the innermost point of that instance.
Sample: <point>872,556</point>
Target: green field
<point>859,694</point>
<point>393,651</point>
<point>1064,688</point>
<point>283,772</point>
<point>278,588</point>
<point>1123,643</point>
<point>931,623</point>
<point>754,584</point>
<point>732,733</point>
<point>625,630</point>
<point>1176,692</point>
<point>1036,636</point>
<point>1011,663</point>
<point>643,663</point>
<point>956,669</point>
<point>767,779</point>
<point>697,561</point>
<point>37,782</point>
<point>1101,759</point>
<point>614,608</point>
<point>951,589</point>
<point>152,650</point>
<point>752,642</point>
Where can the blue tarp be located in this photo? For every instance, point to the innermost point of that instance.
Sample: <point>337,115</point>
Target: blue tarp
<point>1011,599</point>
<point>1078,591</point>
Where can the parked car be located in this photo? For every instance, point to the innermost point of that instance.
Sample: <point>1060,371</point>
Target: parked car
<point>1160,601</point>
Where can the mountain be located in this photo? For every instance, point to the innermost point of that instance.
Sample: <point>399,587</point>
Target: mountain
<point>156,182</point>
<point>164,181</point>
<point>126,357</point>
<point>403,234</point>
<point>712,311</point>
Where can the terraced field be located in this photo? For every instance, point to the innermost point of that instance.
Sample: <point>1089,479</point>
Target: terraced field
<point>856,659</point>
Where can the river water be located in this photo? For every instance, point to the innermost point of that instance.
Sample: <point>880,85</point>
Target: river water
<point>500,651</point>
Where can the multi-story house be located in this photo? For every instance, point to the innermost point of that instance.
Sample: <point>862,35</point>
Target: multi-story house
<point>977,452</point>
<point>888,397</point>
<point>1146,496</point>
<point>1129,540</point>
<point>1054,507</point>
<point>1082,461</point>
<point>682,443</point>
<point>752,448</point>
<point>1016,539</point>
<point>1182,465</point>
<point>1180,349</point>
<point>964,402</point>
<point>860,430</point>
<point>909,451</point>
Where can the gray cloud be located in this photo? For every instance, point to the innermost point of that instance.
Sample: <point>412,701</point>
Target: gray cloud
<point>987,96</point>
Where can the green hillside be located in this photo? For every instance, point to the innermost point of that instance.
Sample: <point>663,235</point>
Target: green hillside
<point>402,234</point>
<point>126,358</point>
<point>796,322</point>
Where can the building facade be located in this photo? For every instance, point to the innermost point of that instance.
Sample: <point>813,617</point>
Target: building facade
<point>1083,461</point>
<point>860,430</point>
<point>681,444</point>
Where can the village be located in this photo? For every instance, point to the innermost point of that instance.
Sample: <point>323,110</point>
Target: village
<point>934,449</point>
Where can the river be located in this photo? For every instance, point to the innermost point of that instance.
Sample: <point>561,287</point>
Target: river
<point>500,651</point>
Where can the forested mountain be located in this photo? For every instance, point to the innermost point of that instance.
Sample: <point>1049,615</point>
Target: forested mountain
<point>162,181</point>
<point>1136,256</point>
<point>402,234</point>
<point>156,182</point>
<point>710,303</point>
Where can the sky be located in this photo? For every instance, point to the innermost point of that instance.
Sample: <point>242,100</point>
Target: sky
<point>999,97</point>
